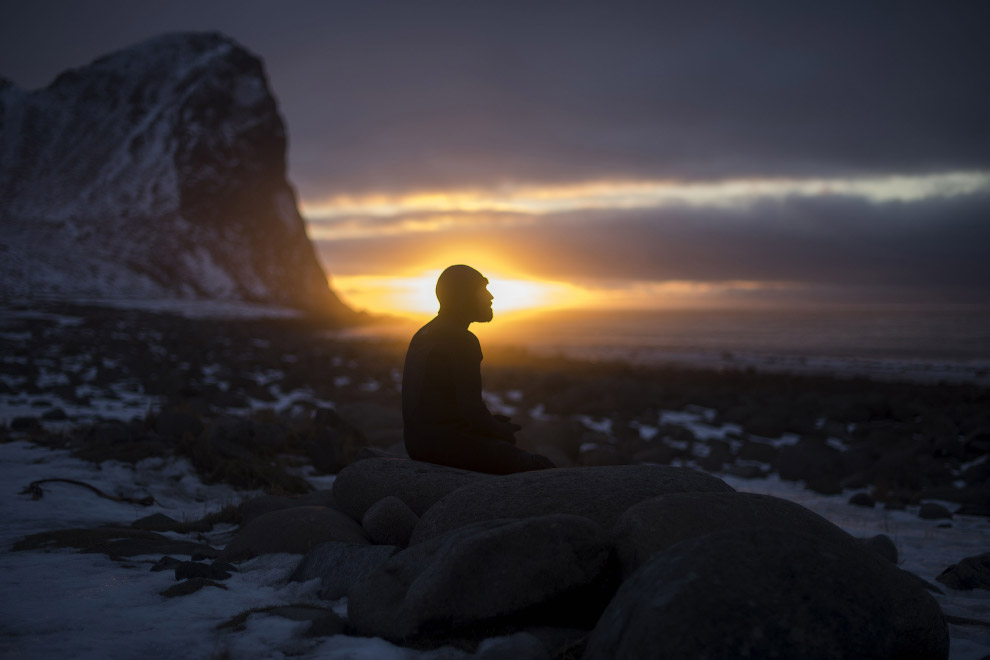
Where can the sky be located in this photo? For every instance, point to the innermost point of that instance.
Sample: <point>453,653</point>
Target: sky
<point>621,154</point>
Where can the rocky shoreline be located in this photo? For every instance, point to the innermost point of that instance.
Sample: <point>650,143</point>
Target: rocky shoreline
<point>269,405</point>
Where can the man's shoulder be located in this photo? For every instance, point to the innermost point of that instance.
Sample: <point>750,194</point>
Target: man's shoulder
<point>445,337</point>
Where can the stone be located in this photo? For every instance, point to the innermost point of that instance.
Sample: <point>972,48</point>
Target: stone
<point>933,511</point>
<point>599,493</point>
<point>166,563</point>
<point>755,593</point>
<point>809,459</point>
<point>163,546</point>
<point>758,451</point>
<point>389,522</point>
<point>55,415</point>
<point>557,569</point>
<point>883,545</point>
<point>176,424</point>
<point>256,506</point>
<point>651,526</point>
<point>863,499</point>
<point>418,484</point>
<point>156,522</point>
<point>193,569</point>
<point>340,565</point>
<point>970,573</point>
<point>297,530</point>
<point>518,646</point>
<point>190,586</point>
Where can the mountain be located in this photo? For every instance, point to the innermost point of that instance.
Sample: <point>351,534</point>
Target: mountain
<point>158,171</point>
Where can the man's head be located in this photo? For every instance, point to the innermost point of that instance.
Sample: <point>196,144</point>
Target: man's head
<point>463,293</point>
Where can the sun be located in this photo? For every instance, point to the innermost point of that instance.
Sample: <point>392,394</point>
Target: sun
<point>415,296</point>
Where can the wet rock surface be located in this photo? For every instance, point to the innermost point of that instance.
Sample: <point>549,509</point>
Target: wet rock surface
<point>296,530</point>
<point>599,493</point>
<point>556,568</point>
<point>746,593</point>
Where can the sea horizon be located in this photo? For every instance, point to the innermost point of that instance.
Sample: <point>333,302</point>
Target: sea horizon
<point>915,342</point>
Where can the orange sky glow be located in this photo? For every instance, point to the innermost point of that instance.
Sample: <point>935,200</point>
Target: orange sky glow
<point>407,287</point>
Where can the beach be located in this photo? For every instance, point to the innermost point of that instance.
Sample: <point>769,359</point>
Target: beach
<point>132,400</point>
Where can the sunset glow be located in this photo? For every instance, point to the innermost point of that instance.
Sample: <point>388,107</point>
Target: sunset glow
<point>415,296</point>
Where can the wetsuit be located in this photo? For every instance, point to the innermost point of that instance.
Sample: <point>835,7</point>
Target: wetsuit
<point>445,420</point>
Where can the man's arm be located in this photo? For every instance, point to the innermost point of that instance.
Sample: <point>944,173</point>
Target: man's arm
<point>465,374</point>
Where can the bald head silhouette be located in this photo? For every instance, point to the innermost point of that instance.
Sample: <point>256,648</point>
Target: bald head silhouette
<point>463,294</point>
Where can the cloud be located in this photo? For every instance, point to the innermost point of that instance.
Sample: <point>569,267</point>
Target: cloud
<point>922,251</point>
<point>401,96</point>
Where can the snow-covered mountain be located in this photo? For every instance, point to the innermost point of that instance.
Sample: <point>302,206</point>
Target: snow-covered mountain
<point>158,171</point>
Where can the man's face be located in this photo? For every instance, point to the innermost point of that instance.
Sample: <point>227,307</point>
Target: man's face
<point>484,304</point>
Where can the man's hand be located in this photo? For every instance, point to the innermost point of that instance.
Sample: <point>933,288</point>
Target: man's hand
<point>507,428</point>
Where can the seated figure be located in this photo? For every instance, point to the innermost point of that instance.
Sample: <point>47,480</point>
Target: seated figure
<point>444,418</point>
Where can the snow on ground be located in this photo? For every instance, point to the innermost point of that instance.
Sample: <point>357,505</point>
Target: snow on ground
<point>65,604</point>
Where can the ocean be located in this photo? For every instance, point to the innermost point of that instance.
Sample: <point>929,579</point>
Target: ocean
<point>915,343</point>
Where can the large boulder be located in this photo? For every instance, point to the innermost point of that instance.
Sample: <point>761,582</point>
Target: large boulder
<point>256,506</point>
<point>651,526</point>
<point>389,522</point>
<point>600,493</point>
<point>748,593</point>
<point>297,530</point>
<point>419,485</point>
<point>970,573</point>
<point>340,565</point>
<point>556,570</point>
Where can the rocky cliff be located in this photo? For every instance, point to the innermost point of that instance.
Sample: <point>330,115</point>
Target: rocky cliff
<point>158,171</point>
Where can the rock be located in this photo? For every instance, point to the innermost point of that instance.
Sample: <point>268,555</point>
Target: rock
<point>340,565</point>
<point>651,526</point>
<point>756,593</point>
<point>389,522</point>
<point>809,459</point>
<point>745,471</point>
<point>297,530</point>
<point>192,569</point>
<point>175,424</point>
<point>327,625</point>
<point>758,451</point>
<point>519,646</point>
<point>970,573</point>
<point>599,493</point>
<point>558,569</point>
<point>863,499</point>
<point>189,587</point>
<point>233,436</point>
<point>882,545</point>
<point>325,452</point>
<point>177,145</point>
<point>156,522</point>
<point>258,506</point>
<point>55,415</point>
<point>419,485</point>
<point>933,511</point>
<point>166,563</point>
<point>25,424</point>
<point>163,546</point>
<point>825,484</point>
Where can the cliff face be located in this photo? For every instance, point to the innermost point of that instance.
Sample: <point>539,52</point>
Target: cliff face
<point>155,172</point>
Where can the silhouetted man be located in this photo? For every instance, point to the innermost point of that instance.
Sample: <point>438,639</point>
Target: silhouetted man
<point>445,421</point>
